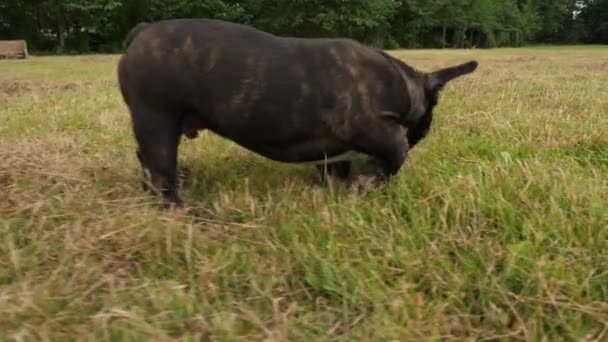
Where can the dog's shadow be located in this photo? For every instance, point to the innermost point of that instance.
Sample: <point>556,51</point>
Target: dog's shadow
<point>203,182</point>
<point>204,179</point>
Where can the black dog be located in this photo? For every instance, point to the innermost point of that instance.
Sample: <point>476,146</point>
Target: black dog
<point>288,99</point>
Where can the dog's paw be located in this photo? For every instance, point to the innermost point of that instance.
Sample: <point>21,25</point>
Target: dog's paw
<point>364,183</point>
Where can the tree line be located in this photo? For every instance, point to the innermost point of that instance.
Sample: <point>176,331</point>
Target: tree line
<point>100,25</point>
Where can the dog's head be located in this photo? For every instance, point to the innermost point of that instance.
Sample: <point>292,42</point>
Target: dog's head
<point>427,91</point>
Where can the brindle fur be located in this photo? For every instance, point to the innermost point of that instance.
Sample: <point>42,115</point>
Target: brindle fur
<point>288,99</point>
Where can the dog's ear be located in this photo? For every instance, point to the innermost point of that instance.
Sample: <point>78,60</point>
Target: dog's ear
<point>436,80</point>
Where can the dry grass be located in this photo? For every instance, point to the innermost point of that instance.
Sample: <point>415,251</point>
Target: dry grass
<point>495,229</point>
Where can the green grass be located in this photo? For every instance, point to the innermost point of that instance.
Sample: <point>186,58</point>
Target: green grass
<point>496,228</point>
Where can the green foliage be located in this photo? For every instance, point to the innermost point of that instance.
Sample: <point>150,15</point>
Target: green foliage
<point>100,25</point>
<point>594,21</point>
<point>366,20</point>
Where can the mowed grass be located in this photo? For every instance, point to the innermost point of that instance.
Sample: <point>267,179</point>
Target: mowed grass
<point>496,228</point>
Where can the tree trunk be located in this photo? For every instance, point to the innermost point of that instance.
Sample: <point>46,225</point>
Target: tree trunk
<point>443,39</point>
<point>421,37</point>
<point>60,25</point>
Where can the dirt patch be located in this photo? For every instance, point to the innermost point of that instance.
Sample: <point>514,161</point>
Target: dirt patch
<point>60,172</point>
<point>31,170</point>
<point>13,88</point>
<point>594,65</point>
<point>517,59</point>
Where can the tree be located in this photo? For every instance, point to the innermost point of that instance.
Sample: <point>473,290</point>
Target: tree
<point>101,25</point>
<point>555,18</point>
<point>593,17</point>
<point>365,20</point>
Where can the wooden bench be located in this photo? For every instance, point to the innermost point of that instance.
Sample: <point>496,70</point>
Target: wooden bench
<point>13,49</point>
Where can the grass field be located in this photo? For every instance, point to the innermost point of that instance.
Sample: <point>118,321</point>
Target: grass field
<point>496,228</point>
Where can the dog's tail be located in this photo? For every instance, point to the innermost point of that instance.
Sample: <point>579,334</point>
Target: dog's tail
<point>133,33</point>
